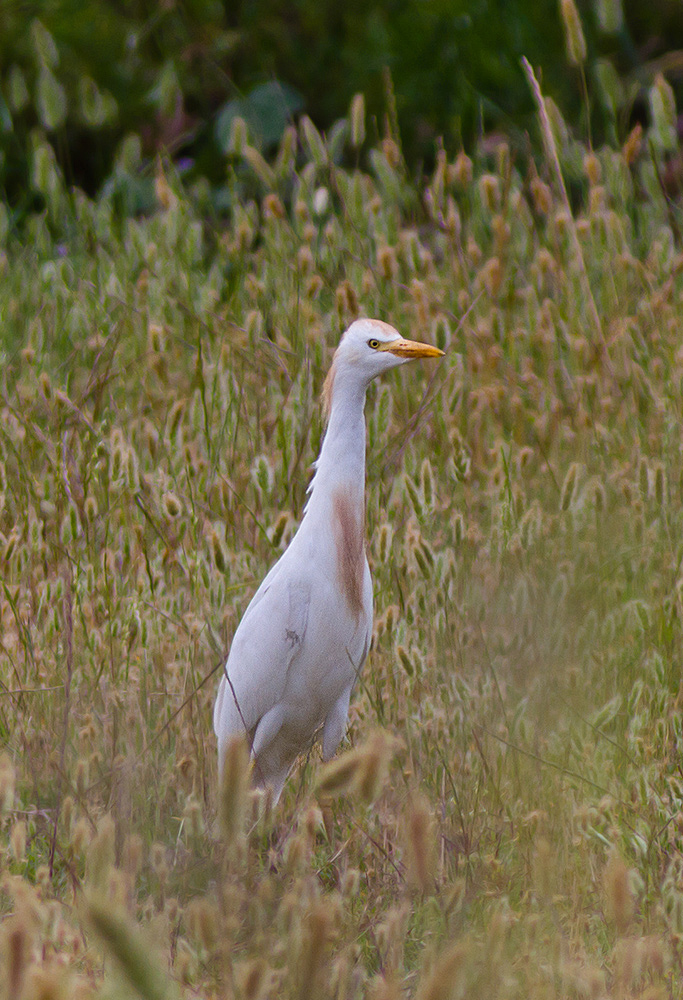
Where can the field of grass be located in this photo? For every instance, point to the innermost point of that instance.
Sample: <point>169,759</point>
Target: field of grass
<point>508,820</point>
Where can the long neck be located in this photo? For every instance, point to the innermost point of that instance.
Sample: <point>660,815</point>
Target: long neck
<point>341,463</point>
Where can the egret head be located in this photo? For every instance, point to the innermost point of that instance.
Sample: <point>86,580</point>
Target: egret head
<point>371,347</point>
<point>368,348</point>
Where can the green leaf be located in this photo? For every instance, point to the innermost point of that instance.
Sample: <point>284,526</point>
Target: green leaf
<point>663,109</point>
<point>610,86</point>
<point>6,124</point>
<point>4,223</point>
<point>17,89</point>
<point>51,102</point>
<point>129,154</point>
<point>336,139</point>
<point>166,93</point>
<point>267,111</point>
<point>317,150</point>
<point>44,46</point>
<point>97,108</point>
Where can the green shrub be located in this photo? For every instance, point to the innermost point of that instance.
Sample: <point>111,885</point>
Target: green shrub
<point>88,75</point>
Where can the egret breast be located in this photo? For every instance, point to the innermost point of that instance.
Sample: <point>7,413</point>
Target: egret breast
<point>350,548</point>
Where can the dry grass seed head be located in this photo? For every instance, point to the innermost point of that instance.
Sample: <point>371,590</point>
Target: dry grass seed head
<point>279,531</point>
<point>204,923</point>
<point>253,979</point>
<point>597,202</point>
<point>193,818</point>
<point>542,196</point>
<point>316,932</point>
<point>633,145</point>
<point>664,117</point>
<point>502,234</point>
<point>347,302</point>
<point>339,775</point>
<point>569,486</point>
<point>81,836</point>
<point>305,260</point>
<point>574,37</point>
<point>387,263</point>
<point>156,338</point>
<point>659,486</point>
<point>16,938</point>
<point>489,191</point>
<point>45,386</point>
<point>17,840</point>
<point>491,276</point>
<point>50,981</point>
<point>591,164</point>
<point>543,869</point>
<point>132,854</point>
<point>357,118</point>
<point>619,899</point>
<point>218,552</point>
<point>233,789</point>
<point>443,981</point>
<point>100,854</point>
<point>7,783</point>
<point>462,170</point>
<point>273,208</point>
<point>391,935</point>
<point>384,539</point>
<point>375,758</point>
<point>385,986</point>
<point>419,844</point>
<point>314,286</point>
<point>130,951</point>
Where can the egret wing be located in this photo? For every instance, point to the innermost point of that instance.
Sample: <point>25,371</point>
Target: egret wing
<point>267,639</point>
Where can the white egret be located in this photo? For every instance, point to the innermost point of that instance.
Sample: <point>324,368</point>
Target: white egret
<point>298,649</point>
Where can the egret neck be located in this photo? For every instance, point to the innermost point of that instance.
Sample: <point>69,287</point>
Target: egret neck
<point>340,466</point>
<point>337,498</point>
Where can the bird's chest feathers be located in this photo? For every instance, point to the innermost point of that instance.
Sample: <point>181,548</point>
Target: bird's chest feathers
<point>349,530</point>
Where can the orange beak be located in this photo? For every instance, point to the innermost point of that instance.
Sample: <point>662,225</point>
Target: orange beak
<point>410,349</point>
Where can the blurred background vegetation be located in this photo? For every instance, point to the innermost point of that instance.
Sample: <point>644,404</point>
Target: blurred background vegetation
<point>113,83</point>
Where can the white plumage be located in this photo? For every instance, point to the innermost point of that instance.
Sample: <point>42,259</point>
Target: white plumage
<point>297,651</point>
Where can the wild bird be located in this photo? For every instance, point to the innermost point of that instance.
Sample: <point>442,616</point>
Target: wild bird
<point>304,637</point>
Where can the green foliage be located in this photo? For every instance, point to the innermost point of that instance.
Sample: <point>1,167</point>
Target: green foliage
<point>89,74</point>
<point>266,111</point>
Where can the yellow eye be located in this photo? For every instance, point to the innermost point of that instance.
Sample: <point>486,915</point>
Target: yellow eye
<point>374,344</point>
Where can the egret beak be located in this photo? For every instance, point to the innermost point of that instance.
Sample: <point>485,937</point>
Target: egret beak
<point>410,349</point>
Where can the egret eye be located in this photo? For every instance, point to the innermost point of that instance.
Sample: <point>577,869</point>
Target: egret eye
<point>374,344</point>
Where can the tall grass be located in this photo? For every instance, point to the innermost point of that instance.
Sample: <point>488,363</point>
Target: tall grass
<point>508,823</point>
